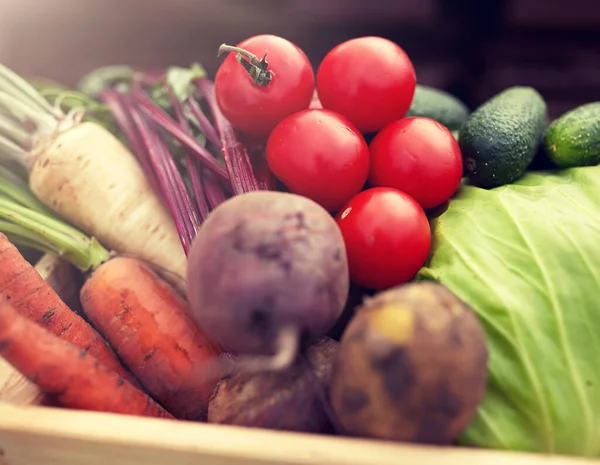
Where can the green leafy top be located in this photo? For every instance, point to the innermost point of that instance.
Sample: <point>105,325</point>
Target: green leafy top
<point>69,100</point>
<point>526,257</point>
<point>27,222</point>
<point>180,81</point>
<point>93,83</point>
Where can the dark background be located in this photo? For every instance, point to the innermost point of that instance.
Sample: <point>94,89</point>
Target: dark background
<point>472,48</point>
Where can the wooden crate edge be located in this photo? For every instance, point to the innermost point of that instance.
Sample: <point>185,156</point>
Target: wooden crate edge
<point>33,435</point>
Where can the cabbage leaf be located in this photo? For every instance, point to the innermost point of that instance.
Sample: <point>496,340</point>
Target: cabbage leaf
<point>526,258</point>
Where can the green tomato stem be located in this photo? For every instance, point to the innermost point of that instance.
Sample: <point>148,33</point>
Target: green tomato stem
<point>257,69</point>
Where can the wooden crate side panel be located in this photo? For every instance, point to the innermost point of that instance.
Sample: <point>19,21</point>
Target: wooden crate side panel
<point>36,436</point>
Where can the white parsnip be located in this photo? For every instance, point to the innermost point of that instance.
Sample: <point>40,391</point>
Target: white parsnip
<point>84,173</point>
<point>89,177</point>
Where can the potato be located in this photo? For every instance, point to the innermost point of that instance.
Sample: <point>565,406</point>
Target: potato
<point>290,399</point>
<point>263,264</point>
<point>412,366</point>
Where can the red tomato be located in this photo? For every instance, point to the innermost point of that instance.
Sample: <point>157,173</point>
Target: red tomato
<point>370,80</point>
<point>256,107</point>
<point>387,237</point>
<point>319,154</point>
<point>419,156</point>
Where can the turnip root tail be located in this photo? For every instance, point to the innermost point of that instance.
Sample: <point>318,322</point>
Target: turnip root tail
<point>287,345</point>
<point>287,349</point>
<point>85,174</point>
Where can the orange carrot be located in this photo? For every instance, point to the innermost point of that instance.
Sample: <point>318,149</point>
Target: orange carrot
<point>32,297</point>
<point>74,377</point>
<point>146,320</point>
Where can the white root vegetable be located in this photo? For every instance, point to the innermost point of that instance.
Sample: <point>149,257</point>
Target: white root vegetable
<point>91,179</point>
<point>86,175</point>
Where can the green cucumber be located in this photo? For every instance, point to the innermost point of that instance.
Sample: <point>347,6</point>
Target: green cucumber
<point>438,105</point>
<point>502,136</point>
<point>574,138</point>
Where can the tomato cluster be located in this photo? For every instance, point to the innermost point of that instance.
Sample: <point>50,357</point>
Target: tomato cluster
<point>315,129</point>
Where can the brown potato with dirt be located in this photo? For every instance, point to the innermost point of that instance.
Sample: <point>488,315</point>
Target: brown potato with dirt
<point>290,399</point>
<point>412,366</point>
<point>265,265</point>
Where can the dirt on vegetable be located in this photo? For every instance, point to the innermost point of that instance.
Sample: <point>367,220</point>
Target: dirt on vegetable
<point>266,265</point>
<point>294,399</point>
<point>412,366</point>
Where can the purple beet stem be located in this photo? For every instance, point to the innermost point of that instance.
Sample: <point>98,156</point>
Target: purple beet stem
<point>162,118</point>
<point>206,173</point>
<point>171,184</point>
<point>237,160</point>
<point>194,168</point>
<point>203,123</point>
<point>114,101</point>
<point>215,194</point>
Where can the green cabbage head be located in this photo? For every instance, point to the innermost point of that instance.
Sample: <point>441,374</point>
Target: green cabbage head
<point>526,258</point>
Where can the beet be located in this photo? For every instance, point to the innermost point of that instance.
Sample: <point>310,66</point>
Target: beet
<point>267,270</point>
<point>290,399</point>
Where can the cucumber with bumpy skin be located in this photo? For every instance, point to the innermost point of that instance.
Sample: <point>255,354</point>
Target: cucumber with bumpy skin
<point>440,106</point>
<point>502,136</point>
<point>574,138</point>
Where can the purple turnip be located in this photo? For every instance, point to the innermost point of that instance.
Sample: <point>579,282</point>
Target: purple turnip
<point>267,271</point>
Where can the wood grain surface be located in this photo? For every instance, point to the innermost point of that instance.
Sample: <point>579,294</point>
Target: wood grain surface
<point>40,435</point>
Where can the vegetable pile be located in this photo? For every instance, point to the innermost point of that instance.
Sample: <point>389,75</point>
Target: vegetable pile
<point>339,250</point>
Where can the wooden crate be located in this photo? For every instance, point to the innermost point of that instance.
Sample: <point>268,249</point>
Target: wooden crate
<point>46,436</point>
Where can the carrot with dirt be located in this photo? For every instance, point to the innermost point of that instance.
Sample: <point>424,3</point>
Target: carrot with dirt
<point>69,374</point>
<point>24,286</point>
<point>32,297</point>
<point>146,320</point>
<point>64,279</point>
<point>143,317</point>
